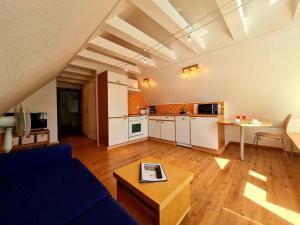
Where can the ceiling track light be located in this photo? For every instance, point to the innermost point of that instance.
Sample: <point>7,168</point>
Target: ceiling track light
<point>125,69</point>
<point>153,49</point>
<point>145,62</point>
<point>189,38</point>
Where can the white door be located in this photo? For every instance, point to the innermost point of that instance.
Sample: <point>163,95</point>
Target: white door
<point>154,128</point>
<point>118,131</point>
<point>183,130</point>
<point>117,100</point>
<point>167,130</point>
<point>204,132</point>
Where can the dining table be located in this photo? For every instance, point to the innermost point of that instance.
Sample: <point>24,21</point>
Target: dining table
<point>295,138</point>
<point>242,124</point>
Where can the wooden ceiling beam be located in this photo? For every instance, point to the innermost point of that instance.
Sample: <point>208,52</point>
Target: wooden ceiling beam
<point>88,64</point>
<point>104,45</point>
<point>167,16</point>
<point>79,71</point>
<point>99,58</point>
<point>75,66</point>
<point>74,73</point>
<point>74,76</point>
<point>131,34</point>
<point>68,80</point>
<point>234,17</point>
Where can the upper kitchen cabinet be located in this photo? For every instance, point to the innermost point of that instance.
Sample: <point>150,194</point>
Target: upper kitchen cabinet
<point>117,78</point>
<point>133,85</point>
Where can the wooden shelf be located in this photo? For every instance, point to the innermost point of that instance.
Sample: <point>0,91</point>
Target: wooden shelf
<point>35,133</point>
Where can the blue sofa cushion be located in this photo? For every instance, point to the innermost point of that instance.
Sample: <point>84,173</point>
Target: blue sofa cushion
<point>107,212</point>
<point>22,161</point>
<point>51,195</point>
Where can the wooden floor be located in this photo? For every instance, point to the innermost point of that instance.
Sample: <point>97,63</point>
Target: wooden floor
<point>263,189</point>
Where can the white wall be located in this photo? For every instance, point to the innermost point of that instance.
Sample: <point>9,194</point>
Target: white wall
<point>259,77</point>
<point>45,100</point>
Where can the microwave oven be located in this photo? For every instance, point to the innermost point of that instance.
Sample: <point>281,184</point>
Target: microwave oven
<point>210,109</point>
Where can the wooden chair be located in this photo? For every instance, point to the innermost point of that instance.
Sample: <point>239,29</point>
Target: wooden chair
<point>279,137</point>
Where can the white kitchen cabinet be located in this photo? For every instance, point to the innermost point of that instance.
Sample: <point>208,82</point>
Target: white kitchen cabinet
<point>117,78</point>
<point>154,128</point>
<point>167,130</point>
<point>118,131</point>
<point>172,118</point>
<point>133,84</point>
<point>204,132</point>
<point>117,100</point>
<point>145,126</point>
<point>154,117</point>
<point>183,130</point>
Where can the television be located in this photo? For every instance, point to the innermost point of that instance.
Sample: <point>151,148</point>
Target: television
<point>39,120</point>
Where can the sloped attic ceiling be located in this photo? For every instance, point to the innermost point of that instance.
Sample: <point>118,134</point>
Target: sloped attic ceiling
<point>38,38</point>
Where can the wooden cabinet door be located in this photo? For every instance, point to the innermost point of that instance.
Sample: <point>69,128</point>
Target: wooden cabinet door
<point>117,100</point>
<point>117,78</point>
<point>183,130</point>
<point>204,132</point>
<point>145,126</point>
<point>167,130</point>
<point>118,130</point>
<point>154,128</point>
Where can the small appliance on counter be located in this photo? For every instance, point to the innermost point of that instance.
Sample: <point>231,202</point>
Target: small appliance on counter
<point>143,111</point>
<point>152,109</point>
<point>210,109</point>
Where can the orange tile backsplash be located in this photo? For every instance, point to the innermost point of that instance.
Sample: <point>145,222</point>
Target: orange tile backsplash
<point>174,108</point>
<point>136,102</point>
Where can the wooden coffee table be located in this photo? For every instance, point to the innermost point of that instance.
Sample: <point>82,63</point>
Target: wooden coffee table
<point>164,203</point>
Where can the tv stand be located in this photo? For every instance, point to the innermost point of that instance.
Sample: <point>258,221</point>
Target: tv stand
<point>36,138</point>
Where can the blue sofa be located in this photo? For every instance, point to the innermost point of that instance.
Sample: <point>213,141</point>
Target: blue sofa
<point>46,186</point>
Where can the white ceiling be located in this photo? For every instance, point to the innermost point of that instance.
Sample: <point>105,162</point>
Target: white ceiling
<point>39,39</point>
<point>209,19</point>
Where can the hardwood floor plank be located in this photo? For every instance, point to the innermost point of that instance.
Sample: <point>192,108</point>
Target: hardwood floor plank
<point>263,189</point>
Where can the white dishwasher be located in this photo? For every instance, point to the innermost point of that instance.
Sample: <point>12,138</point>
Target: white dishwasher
<point>183,131</point>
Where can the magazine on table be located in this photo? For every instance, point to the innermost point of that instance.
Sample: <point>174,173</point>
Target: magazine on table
<point>152,172</point>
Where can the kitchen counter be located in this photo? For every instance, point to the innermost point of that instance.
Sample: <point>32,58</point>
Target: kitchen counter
<point>190,114</point>
<point>135,115</point>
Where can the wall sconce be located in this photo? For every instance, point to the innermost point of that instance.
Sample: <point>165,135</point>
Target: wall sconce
<point>147,82</point>
<point>190,70</point>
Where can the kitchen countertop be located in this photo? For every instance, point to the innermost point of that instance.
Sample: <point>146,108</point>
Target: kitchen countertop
<point>190,114</point>
<point>135,115</point>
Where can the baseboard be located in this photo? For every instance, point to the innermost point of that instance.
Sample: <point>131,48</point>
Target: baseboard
<point>123,144</point>
<point>137,140</point>
<point>163,141</point>
<point>262,146</point>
